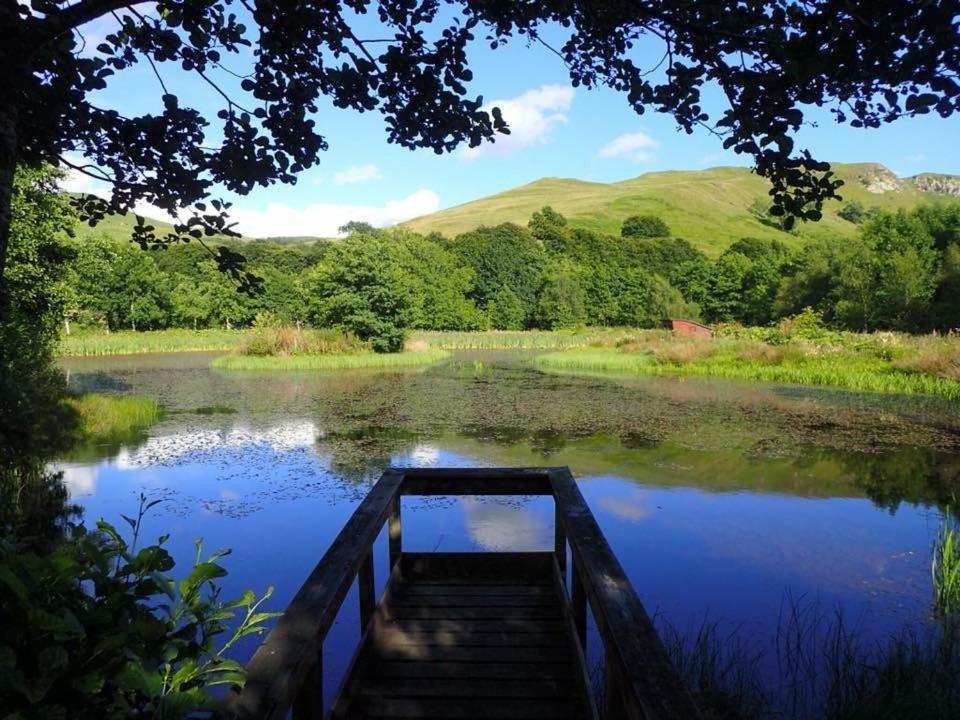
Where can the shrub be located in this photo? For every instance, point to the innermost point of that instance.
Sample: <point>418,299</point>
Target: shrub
<point>99,629</point>
<point>282,341</point>
<point>644,226</point>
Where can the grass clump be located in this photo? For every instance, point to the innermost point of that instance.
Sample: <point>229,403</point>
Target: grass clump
<point>946,568</point>
<point>366,359</point>
<point>151,341</point>
<point>877,362</point>
<point>284,341</point>
<point>112,417</point>
<point>521,339</point>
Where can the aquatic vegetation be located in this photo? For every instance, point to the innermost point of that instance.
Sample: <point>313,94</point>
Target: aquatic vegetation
<point>109,417</point>
<point>521,339</point>
<point>827,669</point>
<point>946,567</point>
<point>868,363</point>
<point>152,341</point>
<point>358,360</point>
<point>280,341</point>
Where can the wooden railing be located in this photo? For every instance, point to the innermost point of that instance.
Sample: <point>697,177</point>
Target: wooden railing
<point>286,672</point>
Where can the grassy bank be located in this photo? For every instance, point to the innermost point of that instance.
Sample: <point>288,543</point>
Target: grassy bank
<point>151,341</point>
<point>881,362</point>
<point>329,362</point>
<point>521,339</point>
<point>112,417</point>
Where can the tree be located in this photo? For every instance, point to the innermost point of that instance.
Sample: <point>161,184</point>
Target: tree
<point>644,226</point>
<point>506,310</point>
<point>853,212</point>
<point>745,281</point>
<point>562,301</point>
<point>360,288</point>
<point>874,62</point>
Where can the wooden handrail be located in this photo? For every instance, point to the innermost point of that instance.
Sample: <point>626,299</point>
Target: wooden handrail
<point>291,651</point>
<point>638,668</point>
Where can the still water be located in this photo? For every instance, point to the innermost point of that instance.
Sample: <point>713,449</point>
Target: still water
<point>721,499</point>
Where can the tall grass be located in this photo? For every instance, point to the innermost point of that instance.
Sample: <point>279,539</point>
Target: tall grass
<point>866,367</point>
<point>112,417</point>
<point>278,341</point>
<point>946,567</point>
<point>151,341</point>
<point>820,667</point>
<point>329,362</point>
<point>521,339</point>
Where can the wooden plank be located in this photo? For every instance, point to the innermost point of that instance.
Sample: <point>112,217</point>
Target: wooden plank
<point>578,605</point>
<point>514,626</point>
<point>281,663</point>
<point>648,680</point>
<point>308,704</point>
<point>466,689</point>
<point>469,567</point>
<point>581,679</point>
<point>435,653</point>
<point>455,710</point>
<point>366,589</point>
<point>394,532</point>
<point>444,670</point>
<point>559,541</point>
<point>463,639</point>
<point>477,481</point>
<point>466,590</point>
<point>427,601</point>
<point>490,613</point>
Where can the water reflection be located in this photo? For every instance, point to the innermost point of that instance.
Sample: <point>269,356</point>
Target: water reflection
<point>716,496</point>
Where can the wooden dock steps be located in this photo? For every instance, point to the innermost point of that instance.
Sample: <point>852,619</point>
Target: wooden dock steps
<point>469,636</point>
<point>464,636</point>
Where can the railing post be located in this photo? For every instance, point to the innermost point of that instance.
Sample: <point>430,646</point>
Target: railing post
<point>365,587</point>
<point>393,530</point>
<point>308,703</point>
<point>613,700</point>
<point>578,604</point>
<point>559,541</point>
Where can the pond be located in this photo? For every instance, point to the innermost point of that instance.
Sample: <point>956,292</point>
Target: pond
<point>724,501</point>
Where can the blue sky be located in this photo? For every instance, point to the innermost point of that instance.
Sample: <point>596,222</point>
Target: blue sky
<point>557,131</point>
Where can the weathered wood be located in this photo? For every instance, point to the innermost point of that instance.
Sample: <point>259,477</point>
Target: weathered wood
<point>578,647</point>
<point>466,601</point>
<point>471,567</point>
<point>308,703</point>
<point>467,689</point>
<point>650,685</point>
<point>578,605</point>
<point>502,625</point>
<point>494,671</point>
<point>477,481</point>
<point>490,613</point>
<point>282,662</point>
<point>396,636</point>
<point>450,709</point>
<point>366,589</point>
<point>559,542</point>
<point>395,537</point>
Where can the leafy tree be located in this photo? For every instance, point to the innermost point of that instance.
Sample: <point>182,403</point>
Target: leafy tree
<point>644,226</point>
<point>772,60</point>
<point>191,306</point>
<point>503,255</point>
<point>941,221</point>
<point>356,227</point>
<point>506,310</point>
<point>647,300</point>
<point>550,228</point>
<point>745,282</point>
<point>947,298</point>
<point>360,288</point>
<point>562,298</point>
<point>853,212</point>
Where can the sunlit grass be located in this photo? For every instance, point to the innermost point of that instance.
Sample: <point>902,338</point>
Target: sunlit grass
<point>329,362</point>
<point>749,360</point>
<point>521,339</point>
<point>109,417</point>
<point>152,341</point>
<point>946,568</point>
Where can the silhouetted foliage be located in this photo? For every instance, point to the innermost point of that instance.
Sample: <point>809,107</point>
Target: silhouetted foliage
<point>873,62</point>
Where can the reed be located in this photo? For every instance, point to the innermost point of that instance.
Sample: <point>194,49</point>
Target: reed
<point>329,362</point>
<point>151,341</point>
<point>748,360</point>
<point>110,417</point>
<point>521,339</point>
<point>946,567</point>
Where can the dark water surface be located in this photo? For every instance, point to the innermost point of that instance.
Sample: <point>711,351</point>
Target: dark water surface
<point>720,498</point>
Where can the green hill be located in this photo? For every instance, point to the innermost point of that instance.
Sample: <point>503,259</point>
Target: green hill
<point>710,208</point>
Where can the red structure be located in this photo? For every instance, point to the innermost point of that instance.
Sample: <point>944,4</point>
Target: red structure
<point>688,328</point>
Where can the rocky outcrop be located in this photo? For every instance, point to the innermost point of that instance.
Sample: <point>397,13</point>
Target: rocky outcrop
<point>936,184</point>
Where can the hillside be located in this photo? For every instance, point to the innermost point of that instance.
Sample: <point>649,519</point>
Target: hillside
<point>710,208</point>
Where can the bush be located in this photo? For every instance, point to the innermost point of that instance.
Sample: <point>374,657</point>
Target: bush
<point>282,341</point>
<point>98,629</point>
<point>644,226</point>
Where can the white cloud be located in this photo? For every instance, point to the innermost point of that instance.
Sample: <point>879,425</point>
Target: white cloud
<point>635,146</point>
<point>324,219</point>
<point>357,174</point>
<point>531,118</point>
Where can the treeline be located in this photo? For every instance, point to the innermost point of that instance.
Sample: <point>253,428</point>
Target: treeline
<point>902,272</point>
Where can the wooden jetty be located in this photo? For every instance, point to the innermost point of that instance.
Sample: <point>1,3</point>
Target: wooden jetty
<point>468,635</point>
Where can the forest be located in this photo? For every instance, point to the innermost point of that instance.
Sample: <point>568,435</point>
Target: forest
<point>902,272</point>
